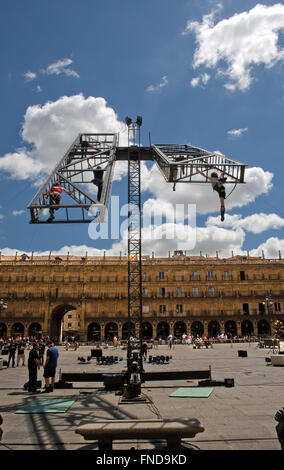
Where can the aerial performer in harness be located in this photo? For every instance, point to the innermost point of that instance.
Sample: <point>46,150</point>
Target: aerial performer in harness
<point>55,197</point>
<point>218,186</point>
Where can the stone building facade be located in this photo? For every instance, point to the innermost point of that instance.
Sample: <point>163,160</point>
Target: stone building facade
<point>87,296</point>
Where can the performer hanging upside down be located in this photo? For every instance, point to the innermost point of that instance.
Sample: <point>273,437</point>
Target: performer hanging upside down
<point>217,184</point>
<point>55,197</point>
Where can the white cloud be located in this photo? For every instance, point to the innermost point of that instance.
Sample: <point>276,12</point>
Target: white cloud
<point>18,212</point>
<point>61,67</point>
<point>255,223</point>
<point>237,132</point>
<point>270,248</point>
<point>242,42</point>
<point>201,80</point>
<point>29,76</point>
<point>205,239</point>
<point>162,84</point>
<point>49,130</point>
<point>38,89</point>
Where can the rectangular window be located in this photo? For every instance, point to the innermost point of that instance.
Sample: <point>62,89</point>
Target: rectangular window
<point>178,291</point>
<point>194,276</point>
<point>194,291</point>
<point>145,309</point>
<point>242,276</point>
<point>211,291</point>
<point>210,275</point>
<point>179,308</point>
<point>162,292</point>
<point>144,276</point>
<point>145,291</point>
<point>163,308</point>
<point>161,275</point>
<point>226,275</point>
<point>69,317</point>
<point>246,309</point>
<point>261,308</point>
<point>277,307</point>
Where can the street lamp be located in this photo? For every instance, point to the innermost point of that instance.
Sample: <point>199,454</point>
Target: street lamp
<point>268,303</point>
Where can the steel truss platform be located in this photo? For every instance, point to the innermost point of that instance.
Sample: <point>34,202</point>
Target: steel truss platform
<point>177,163</point>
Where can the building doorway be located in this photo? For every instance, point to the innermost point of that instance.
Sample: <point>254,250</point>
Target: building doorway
<point>111,330</point>
<point>18,329</point>
<point>94,332</point>
<point>197,329</point>
<point>147,330</point>
<point>125,330</point>
<point>163,330</point>
<point>179,329</point>
<point>35,330</point>
<point>247,328</point>
<point>214,329</point>
<point>3,330</point>
<point>231,329</point>
<point>263,328</point>
<point>56,322</point>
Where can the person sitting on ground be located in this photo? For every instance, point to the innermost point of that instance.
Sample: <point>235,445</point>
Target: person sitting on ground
<point>55,197</point>
<point>217,184</point>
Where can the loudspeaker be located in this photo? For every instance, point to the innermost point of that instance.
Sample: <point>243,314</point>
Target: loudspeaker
<point>229,382</point>
<point>96,352</point>
<point>242,353</point>
<point>113,381</point>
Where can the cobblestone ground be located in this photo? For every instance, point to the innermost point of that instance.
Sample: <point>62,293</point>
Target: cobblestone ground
<point>236,418</point>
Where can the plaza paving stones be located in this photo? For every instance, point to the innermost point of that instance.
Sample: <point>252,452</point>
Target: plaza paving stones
<point>236,418</point>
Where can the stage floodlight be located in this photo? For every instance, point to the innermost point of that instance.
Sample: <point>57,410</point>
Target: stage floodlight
<point>128,120</point>
<point>139,120</point>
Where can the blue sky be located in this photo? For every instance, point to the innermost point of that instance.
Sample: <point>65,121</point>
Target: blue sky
<point>204,72</point>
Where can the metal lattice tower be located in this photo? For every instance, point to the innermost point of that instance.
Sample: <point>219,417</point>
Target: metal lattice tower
<point>134,234</point>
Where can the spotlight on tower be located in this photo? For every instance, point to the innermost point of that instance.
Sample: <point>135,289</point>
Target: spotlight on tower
<point>139,121</point>
<point>128,120</point>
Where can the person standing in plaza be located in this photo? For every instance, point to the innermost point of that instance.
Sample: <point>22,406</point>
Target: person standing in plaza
<point>41,352</point>
<point>50,367</point>
<point>21,353</point>
<point>12,352</point>
<point>33,366</point>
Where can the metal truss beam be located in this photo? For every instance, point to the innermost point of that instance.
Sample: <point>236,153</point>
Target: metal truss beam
<point>74,175</point>
<point>179,164</point>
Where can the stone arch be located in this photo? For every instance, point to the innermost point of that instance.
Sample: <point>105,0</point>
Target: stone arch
<point>263,328</point>
<point>94,332</point>
<point>147,330</point>
<point>17,329</point>
<point>3,330</point>
<point>197,328</point>
<point>57,320</point>
<point>231,328</point>
<point>124,330</point>
<point>179,329</point>
<point>247,328</point>
<point>163,330</point>
<point>214,329</point>
<point>35,330</point>
<point>111,330</point>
